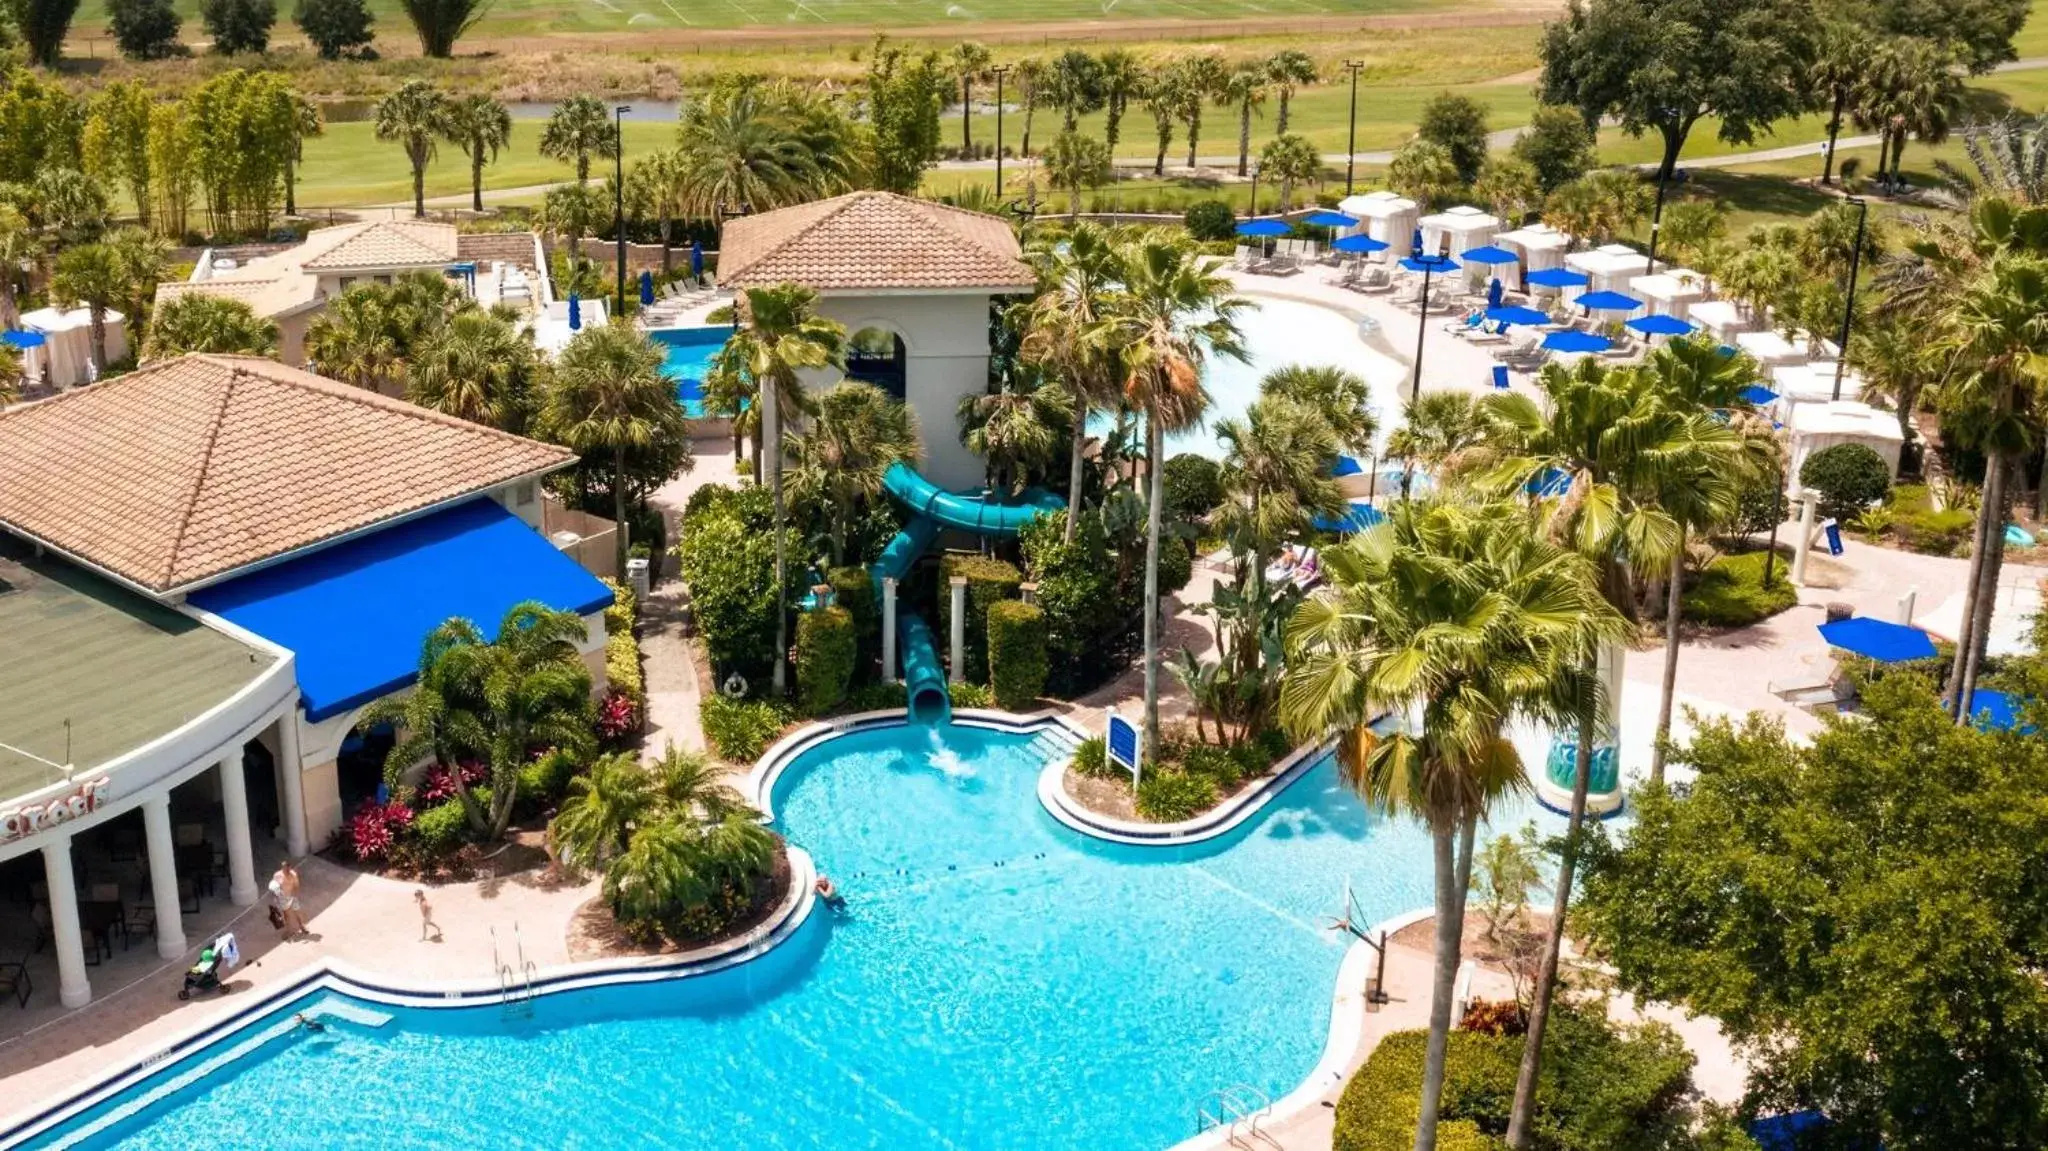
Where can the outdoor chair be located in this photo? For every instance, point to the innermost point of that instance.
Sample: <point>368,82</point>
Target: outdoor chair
<point>1822,689</point>
<point>14,981</point>
<point>1376,279</point>
<point>1242,258</point>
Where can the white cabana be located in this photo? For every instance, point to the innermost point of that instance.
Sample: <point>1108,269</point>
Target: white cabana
<point>1453,230</point>
<point>1770,349</point>
<point>1385,217</point>
<point>1671,292</point>
<point>1541,246</point>
<point>1723,319</point>
<point>1613,267</point>
<point>551,330</point>
<point>1808,383</point>
<point>68,352</point>
<point>1816,426</point>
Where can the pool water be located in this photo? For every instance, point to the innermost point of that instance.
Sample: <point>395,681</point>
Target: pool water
<point>687,354</point>
<point>997,982</point>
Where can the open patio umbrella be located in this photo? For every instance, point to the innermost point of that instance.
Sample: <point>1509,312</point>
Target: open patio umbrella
<point>1328,219</point>
<point>1346,466</point>
<point>1516,314</point>
<point>646,288</point>
<point>1608,302</point>
<point>1995,710</point>
<point>1488,254</point>
<point>1359,245</point>
<point>575,313</point>
<point>1559,278</point>
<point>1570,341</point>
<point>1878,639</point>
<point>1433,264</point>
<point>1758,395</point>
<point>1661,325</point>
<point>1264,228</point>
<point>23,339</point>
<point>1358,516</point>
<point>1549,482</point>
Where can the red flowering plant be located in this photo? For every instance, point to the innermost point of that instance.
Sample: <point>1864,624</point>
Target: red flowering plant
<point>618,716</point>
<point>441,781</point>
<point>375,828</point>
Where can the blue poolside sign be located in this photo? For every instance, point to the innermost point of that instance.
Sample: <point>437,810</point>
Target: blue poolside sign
<point>1122,743</point>
<point>1833,531</point>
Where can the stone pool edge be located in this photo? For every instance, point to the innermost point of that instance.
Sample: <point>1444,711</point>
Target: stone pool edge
<point>1221,819</point>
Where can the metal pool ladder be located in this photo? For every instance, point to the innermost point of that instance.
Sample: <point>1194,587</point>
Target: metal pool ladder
<point>515,982</point>
<point>1239,1107</point>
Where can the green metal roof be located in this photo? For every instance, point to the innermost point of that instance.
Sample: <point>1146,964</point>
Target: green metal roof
<point>121,669</point>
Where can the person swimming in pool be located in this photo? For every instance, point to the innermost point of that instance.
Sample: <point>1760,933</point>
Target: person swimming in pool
<point>309,1023</point>
<point>829,892</point>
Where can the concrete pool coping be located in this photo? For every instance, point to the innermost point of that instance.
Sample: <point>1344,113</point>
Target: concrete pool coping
<point>345,978</point>
<point>1218,820</point>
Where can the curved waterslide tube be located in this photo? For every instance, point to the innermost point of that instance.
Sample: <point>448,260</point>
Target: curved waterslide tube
<point>932,507</point>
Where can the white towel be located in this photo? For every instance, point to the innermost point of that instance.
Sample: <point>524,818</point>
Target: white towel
<point>228,951</point>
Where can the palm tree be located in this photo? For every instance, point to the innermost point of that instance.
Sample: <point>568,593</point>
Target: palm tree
<point>858,432</point>
<point>780,333</point>
<point>1456,618</point>
<point>305,124</point>
<point>1423,171</point>
<point>608,393</point>
<point>1836,74</point>
<point>1073,85</point>
<point>91,275</point>
<point>1030,89</point>
<point>1163,100</point>
<point>10,375</point>
<point>1243,88</point>
<point>140,256</point>
<point>1074,162</point>
<point>481,126</point>
<point>1288,69</point>
<point>1194,79</point>
<point>1171,313</point>
<point>739,152</point>
<point>597,820</point>
<point>581,127</point>
<point>1015,427</point>
<point>1122,78</point>
<point>352,339</point>
<point>572,211</point>
<point>656,181</point>
<point>971,61</point>
<point>1276,477</point>
<point>1290,160</point>
<point>1343,399</point>
<point>198,323</point>
<point>475,367</point>
<point>416,115</point>
<point>691,785</point>
<point>1074,277</point>
<point>1440,433</point>
<point>1896,364</point>
<point>19,246</point>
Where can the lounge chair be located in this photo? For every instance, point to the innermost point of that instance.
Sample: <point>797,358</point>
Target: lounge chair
<point>1821,690</point>
<point>1242,259</point>
<point>1308,570</point>
<point>1376,278</point>
<point>14,981</point>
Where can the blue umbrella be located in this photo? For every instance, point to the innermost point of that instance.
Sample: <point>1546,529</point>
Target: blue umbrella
<point>1559,278</point>
<point>1346,466</point>
<point>1879,640</point>
<point>1570,341</point>
<point>1516,314</point>
<point>1358,516</point>
<point>1493,292</point>
<point>1436,264</point>
<point>1758,395</point>
<point>1359,245</point>
<point>575,312</point>
<point>1549,482</point>
<point>646,288</point>
<point>24,339</point>
<point>1608,301</point>
<point>1264,228</point>
<point>1661,325</point>
<point>696,260</point>
<point>1994,710</point>
<point>1488,255</point>
<point>1329,219</point>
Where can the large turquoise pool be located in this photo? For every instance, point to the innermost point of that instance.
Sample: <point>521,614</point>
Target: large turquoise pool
<point>686,359</point>
<point>998,982</point>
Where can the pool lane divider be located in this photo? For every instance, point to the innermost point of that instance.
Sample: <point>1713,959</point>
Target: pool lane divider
<point>197,1046</point>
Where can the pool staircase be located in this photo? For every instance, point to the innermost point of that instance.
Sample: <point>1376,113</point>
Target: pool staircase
<point>1239,1108</point>
<point>515,980</point>
<point>1053,743</point>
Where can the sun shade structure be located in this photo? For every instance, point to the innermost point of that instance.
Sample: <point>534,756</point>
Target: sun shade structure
<point>1660,325</point>
<point>1488,254</point>
<point>1559,278</point>
<point>1608,302</point>
<point>1516,314</point>
<point>1328,219</point>
<point>1548,483</point>
<point>1436,264</point>
<point>1569,341</point>
<point>354,613</point>
<point>1997,711</point>
<point>19,339</point>
<point>1346,466</point>
<point>1755,393</point>
<point>1878,639</point>
<point>1359,245</point>
<point>1265,228</point>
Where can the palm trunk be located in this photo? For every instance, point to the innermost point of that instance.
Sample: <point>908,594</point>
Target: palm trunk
<point>1884,151</point>
<point>619,511</point>
<point>1074,481</point>
<point>476,183</point>
<point>1280,128</point>
<point>1152,524</point>
<point>667,254</point>
<point>10,314</point>
<point>1673,598</point>
<point>1985,590</point>
<point>1244,142</point>
<point>1827,168</point>
<point>1449,935</point>
<point>419,190</point>
<point>771,416</point>
<point>736,457</point>
<point>1966,634</point>
<point>1030,108</point>
<point>1519,1134</point>
<point>291,190</point>
<point>1194,136</point>
<point>966,118</point>
<point>98,323</point>
<point>1165,134</point>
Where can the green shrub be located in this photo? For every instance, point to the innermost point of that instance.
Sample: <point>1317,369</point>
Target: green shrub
<point>1169,796</point>
<point>625,607</point>
<point>1176,566</point>
<point>1922,529</point>
<point>970,695</point>
<point>441,827</point>
<point>1215,762</point>
<point>728,559</point>
<point>824,658</point>
<point>989,581</point>
<point>1378,1109</point>
<point>1091,758</point>
<point>1249,759</point>
<point>1016,653</point>
<point>543,782</point>
<point>853,590</point>
<point>739,730</point>
<point>622,667</point>
<point>1193,485</point>
<point>1093,598</point>
<point>1210,220</point>
<point>876,697</point>
<point>1730,592</point>
<point>1847,477</point>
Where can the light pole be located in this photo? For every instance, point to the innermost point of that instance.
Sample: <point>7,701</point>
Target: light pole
<point>619,194</point>
<point>1849,305</point>
<point>1000,72</point>
<point>1351,142</point>
<point>1430,264</point>
<point>1656,221</point>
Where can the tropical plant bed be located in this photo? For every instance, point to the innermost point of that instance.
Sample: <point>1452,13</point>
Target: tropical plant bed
<point>1188,779</point>
<point>595,933</point>
<point>522,851</point>
<point>1730,592</point>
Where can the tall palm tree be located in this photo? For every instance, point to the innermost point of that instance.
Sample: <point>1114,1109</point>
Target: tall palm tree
<point>1836,75</point>
<point>581,127</point>
<point>1073,85</point>
<point>196,323</point>
<point>416,116</point>
<point>1162,100</point>
<point>971,61</point>
<point>1440,433</point>
<point>1290,160</point>
<point>1342,398</point>
<point>1195,79</point>
<point>19,246</point>
<point>1172,311</point>
<point>780,334</point>
<point>1288,69</point>
<point>306,123</point>
<point>1015,427</point>
<point>1074,277</point>
<point>1244,88</point>
<point>740,152</point>
<point>141,256</point>
<point>1896,365</point>
<point>596,821</point>
<point>608,394</point>
<point>92,276</point>
<point>1277,462</point>
<point>571,211</point>
<point>475,367</point>
<point>352,339</point>
<point>858,432</point>
<point>1456,618</point>
<point>1075,162</point>
<point>1030,77</point>
<point>1122,78</point>
<point>482,127</point>
<point>657,182</point>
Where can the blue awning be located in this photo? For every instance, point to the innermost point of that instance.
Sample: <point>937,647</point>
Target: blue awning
<point>1878,639</point>
<point>355,613</point>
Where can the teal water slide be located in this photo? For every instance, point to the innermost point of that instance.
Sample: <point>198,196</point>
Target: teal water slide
<point>932,508</point>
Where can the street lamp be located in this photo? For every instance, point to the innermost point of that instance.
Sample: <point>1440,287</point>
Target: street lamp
<point>1430,265</point>
<point>619,194</point>
<point>1000,72</point>
<point>1351,144</point>
<point>1656,220</point>
<point>1849,305</point>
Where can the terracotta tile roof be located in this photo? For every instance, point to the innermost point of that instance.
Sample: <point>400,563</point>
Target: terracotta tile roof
<point>872,240</point>
<point>268,293</point>
<point>384,244</point>
<point>196,466</point>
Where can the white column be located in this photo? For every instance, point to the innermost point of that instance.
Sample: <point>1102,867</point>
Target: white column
<point>888,629</point>
<point>959,630</point>
<point>1808,509</point>
<point>163,876</point>
<point>291,769</point>
<point>73,989</point>
<point>234,802</point>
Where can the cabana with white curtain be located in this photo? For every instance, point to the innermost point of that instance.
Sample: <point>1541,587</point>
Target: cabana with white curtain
<point>1385,217</point>
<point>1453,230</point>
<point>1815,427</point>
<point>1723,319</point>
<point>1771,349</point>
<point>1807,383</point>
<point>1614,267</point>
<point>68,354</point>
<point>1541,246</point>
<point>1671,292</point>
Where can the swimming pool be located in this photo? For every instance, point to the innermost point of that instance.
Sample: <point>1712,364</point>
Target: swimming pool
<point>687,355</point>
<point>999,983</point>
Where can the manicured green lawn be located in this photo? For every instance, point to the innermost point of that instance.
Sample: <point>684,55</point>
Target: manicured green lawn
<point>349,166</point>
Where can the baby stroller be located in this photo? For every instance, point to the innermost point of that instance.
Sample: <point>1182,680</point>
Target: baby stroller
<point>219,956</point>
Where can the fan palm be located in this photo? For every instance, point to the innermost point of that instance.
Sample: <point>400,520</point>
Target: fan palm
<point>1122,78</point>
<point>581,127</point>
<point>1277,461</point>
<point>1288,69</point>
<point>739,151</point>
<point>416,116</point>
<point>482,127</point>
<point>1441,433</point>
<point>351,339</point>
<point>1244,88</point>
<point>475,367</point>
<point>858,432</point>
<point>608,394</point>
<point>1075,162</point>
<point>971,61</point>
<point>1342,398</point>
<point>92,276</point>
<point>1074,277</point>
<point>305,124</point>
<point>1073,85</point>
<point>597,820</point>
<point>1290,160</point>
<point>1456,618</point>
<point>141,256</point>
<point>657,182</point>
<point>1015,427</point>
<point>1194,79</point>
<point>693,786</point>
<point>195,323</point>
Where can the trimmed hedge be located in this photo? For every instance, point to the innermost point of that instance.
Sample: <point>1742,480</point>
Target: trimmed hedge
<point>622,668</point>
<point>1730,592</point>
<point>989,581</point>
<point>877,697</point>
<point>739,730</point>
<point>441,827</point>
<point>1016,653</point>
<point>624,609</point>
<point>1378,1109</point>
<point>854,590</point>
<point>1168,796</point>
<point>825,652</point>
<point>1848,477</point>
<point>728,559</point>
<point>1210,220</point>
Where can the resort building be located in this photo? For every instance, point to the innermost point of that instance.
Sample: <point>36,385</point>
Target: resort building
<point>912,281</point>
<point>209,568</point>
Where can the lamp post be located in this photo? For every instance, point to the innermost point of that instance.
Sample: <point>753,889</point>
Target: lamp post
<point>1656,221</point>
<point>1351,142</point>
<point>1429,266</point>
<point>1849,305</point>
<point>999,71</point>
<point>619,194</point>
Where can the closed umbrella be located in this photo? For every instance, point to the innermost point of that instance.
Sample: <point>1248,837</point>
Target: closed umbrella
<point>696,261</point>
<point>1661,325</point>
<point>1359,245</point>
<point>575,313</point>
<point>1608,302</point>
<point>1570,341</point>
<point>1329,219</point>
<point>1493,291</point>
<point>646,288</point>
<point>1559,278</point>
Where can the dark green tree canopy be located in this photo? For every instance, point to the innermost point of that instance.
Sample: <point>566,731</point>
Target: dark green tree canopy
<point>1457,123</point>
<point>144,29</point>
<point>337,28</point>
<point>1981,29</point>
<point>238,26</point>
<point>42,25</point>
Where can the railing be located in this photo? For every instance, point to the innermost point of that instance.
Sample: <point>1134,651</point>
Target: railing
<point>515,979</point>
<point>1238,1108</point>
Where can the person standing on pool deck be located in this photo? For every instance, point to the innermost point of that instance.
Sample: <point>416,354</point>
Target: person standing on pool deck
<point>285,887</point>
<point>419,896</point>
